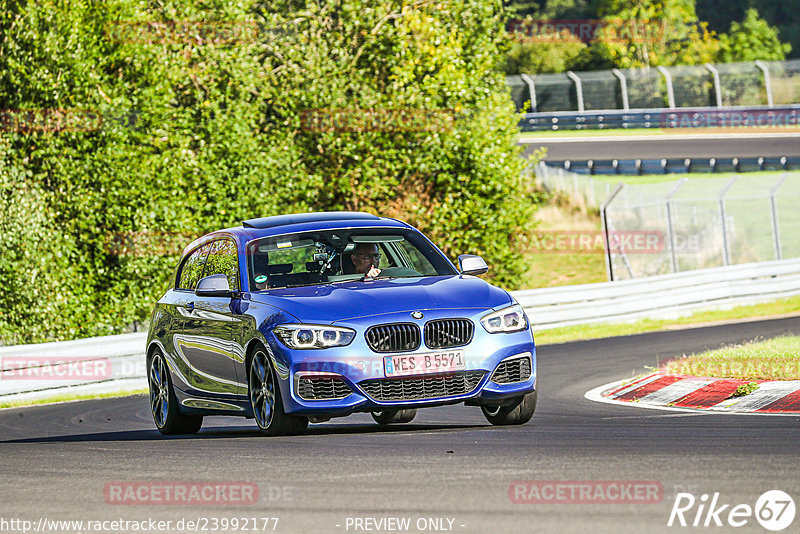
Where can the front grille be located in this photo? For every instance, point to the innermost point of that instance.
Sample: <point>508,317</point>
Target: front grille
<point>322,388</point>
<point>511,371</point>
<point>428,387</point>
<point>446,333</point>
<point>400,337</point>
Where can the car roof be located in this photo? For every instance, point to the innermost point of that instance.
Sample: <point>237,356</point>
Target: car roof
<point>299,218</point>
<point>297,223</point>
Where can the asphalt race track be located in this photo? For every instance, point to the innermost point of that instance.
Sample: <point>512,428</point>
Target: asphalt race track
<point>448,463</point>
<point>672,146</point>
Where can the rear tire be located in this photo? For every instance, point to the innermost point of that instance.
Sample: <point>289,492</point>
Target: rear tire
<point>164,404</point>
<point>391,417</point>
<point>266,402</point>
<point>517,412</point>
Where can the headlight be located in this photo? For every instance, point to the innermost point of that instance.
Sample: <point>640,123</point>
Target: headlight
<point>303,336</point>
<point>511,319</point>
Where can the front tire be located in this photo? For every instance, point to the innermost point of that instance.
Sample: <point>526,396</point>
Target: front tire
<point>391,417</point>
<point>265,399</point>
<point>518,412</point>
<point>164,404</point>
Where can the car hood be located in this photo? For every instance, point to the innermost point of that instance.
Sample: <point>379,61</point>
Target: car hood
<point>349,300</point>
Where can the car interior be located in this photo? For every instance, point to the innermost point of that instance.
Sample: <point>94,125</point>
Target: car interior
<point>301,262</point>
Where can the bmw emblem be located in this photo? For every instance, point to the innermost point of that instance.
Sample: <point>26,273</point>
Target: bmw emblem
<point>417,315</point>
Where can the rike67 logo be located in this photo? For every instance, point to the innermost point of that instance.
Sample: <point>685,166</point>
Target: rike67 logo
<point>774,510</point>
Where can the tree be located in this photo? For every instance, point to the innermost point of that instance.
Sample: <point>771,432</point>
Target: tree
<point>750,40</point>
<point>644,33</point>
<point>531,55</point>
<point>192,132</point>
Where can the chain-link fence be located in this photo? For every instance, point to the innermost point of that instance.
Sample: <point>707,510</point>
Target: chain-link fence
<point>699,223</point>
<point>732,84</point>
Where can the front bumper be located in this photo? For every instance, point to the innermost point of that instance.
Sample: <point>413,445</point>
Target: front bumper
<point>355,375</point>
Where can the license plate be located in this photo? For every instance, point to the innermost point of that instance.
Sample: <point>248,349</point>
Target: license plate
<point>423,364</point>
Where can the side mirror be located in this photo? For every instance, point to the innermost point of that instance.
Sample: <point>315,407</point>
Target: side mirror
<point>215,285</point>
<point>471,264</point>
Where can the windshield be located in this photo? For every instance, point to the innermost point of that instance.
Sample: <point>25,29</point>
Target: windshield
<point>328,257</point>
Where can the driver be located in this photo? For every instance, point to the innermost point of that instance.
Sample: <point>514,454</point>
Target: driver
<point>366,257</point>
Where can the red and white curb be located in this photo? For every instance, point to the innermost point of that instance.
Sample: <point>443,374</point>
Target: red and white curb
<point>692,393</point>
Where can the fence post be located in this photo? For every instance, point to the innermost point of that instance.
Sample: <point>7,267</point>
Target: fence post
<point>726,252</point>
<point>578,88</point>
<point>531,89</point>
<point>575,185</point>
<point>623,86</point>
<point>717,83</point>
<point>670,92</point>
<point>776,230</point>
<point>544,174</point>
<point>604,219</point>
<point>767,81</point>
<point>670,232</point>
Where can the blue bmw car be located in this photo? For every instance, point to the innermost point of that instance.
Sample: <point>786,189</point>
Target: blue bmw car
<point>296,319</point>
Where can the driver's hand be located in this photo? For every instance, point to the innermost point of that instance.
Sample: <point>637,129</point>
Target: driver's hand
<point>373,272</point>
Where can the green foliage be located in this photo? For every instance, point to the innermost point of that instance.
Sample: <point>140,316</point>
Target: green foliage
<point>784,15</point>
<point>673,32</point>
<point>649,33</point>
<point>198,134</point>
<point>750,40</point>
<point>745,389</point>
<point>553,9</point>
<point>557,53</point>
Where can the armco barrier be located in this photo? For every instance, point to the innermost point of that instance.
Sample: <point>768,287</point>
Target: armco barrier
<point>655,297</point>
<point>29,372</point>
<point>761,117</point>
<point>663,296</point>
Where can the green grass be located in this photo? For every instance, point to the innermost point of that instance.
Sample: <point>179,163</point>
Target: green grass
<point>551,270</point>
<point>774,359</point>
<point>75,397</point>
<point>787,306</point>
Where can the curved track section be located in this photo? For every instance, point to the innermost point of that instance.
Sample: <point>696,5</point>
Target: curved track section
<point>447,469</point>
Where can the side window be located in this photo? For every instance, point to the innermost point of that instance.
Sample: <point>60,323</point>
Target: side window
<point>417,260</point>
<point>223,259</point>
<point>192,268</point>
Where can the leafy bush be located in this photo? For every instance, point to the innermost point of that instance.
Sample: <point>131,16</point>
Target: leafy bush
<point>750,40</point>
<point>173,131</point>
<point>556,53</point>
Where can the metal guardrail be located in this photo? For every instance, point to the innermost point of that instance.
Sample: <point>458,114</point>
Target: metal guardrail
<point>786,116</point>
<point>664,296</point>
<point>93,365</point>
<point>655,297</point>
